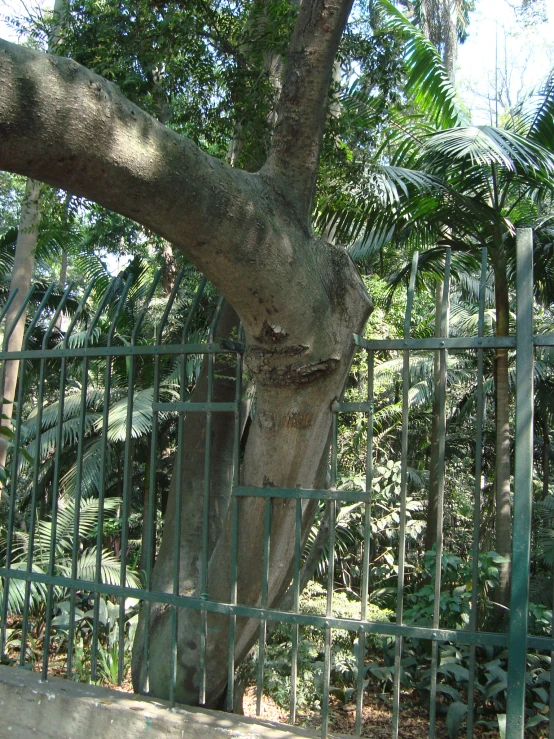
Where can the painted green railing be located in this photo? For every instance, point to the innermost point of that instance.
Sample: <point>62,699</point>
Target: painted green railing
<point>76,354</point>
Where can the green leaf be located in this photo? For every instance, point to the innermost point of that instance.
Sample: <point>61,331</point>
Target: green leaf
<point>449,690</point>
<point>459,672</point>
<point>541,692</point>
<point>534,720</point>
<point>495,687</point>
<point>454,717</point>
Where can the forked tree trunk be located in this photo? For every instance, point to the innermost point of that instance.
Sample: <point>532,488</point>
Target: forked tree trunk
<point>299,298</point>
<point>287,447</point>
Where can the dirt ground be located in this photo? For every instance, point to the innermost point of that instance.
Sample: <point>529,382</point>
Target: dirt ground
<point>376,723</point>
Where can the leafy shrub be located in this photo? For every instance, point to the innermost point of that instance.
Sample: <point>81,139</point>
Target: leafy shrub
<point>311,646</point>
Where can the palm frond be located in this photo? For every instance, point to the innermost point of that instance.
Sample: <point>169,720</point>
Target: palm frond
<point>487,145</point>
<point>428,83</point>
<point>110,569</point>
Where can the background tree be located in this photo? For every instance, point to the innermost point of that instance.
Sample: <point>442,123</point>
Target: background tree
<point>24,260</point>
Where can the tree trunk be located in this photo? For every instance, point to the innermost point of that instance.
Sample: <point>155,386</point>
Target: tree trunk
<point>287,447</point>
<point>437,26</point>
<point>451,10</point>
<point>300,299</point>
<point>436,480</point>
<point>169,268</point>
<point>545,454</point>
<point>503,520</point>
<point>24,262</point>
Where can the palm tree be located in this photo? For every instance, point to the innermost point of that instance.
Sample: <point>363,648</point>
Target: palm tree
<point>64,546</point>
<point>463,187</point>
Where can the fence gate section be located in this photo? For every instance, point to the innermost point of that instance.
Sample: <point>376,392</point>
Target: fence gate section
<point>117,393</point>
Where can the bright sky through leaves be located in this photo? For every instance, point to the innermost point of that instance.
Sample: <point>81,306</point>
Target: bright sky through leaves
<point>525,54</point>
<point>525,57</point>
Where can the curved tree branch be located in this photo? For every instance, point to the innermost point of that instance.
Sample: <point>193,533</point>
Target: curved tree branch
<point>65,125</point>
<point>296,143</point>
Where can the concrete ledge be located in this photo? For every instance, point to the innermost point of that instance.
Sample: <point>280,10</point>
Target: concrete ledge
<point>61,709</point>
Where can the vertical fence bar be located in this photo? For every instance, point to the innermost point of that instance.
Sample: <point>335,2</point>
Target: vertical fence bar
<point>329,613</point>
<point>128,478</point>
<point>523,488</point>
<point>295,608</point>
<point>103,466</point>
<point>15,456</point>
<point>551,691</point>
<point>403,496</point>
<point>150,544</point>
<point>77,496</point>
<point>440,491</point>
<point>206,507</point>
<point>264,601</point>
<point>366,544</point>
<point>234,524</point>
<point>55,483</point>
<point>332,507</point>
<point>177,534</point>
<point>472,625</point>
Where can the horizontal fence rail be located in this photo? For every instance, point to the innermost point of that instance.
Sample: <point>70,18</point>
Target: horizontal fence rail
<point>98,442</point>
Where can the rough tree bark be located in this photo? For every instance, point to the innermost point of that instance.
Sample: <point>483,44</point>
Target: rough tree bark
<point>299,298</point>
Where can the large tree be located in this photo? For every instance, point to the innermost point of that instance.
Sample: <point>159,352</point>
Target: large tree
<point>299,297</point>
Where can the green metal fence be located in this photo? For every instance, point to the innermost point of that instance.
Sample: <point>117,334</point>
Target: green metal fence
<point>103,371</point>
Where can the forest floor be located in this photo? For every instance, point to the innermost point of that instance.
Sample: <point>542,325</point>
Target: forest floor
<point>376,723</point>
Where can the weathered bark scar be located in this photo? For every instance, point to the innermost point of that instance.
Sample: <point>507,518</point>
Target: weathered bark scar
<point>272,368</point>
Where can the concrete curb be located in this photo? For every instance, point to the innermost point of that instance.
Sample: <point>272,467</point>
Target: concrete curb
<point>62,709</point>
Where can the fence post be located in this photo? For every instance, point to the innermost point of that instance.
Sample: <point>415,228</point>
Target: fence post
<point>523,488</point>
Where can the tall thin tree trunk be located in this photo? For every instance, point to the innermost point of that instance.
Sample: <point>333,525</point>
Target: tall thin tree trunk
<point>503,524</point>
<point>435,481</point>
<point>545,454</point>
<point>451,10</point>
<point>169,268</point>
<point>438,23</point>
<point>24,262</point>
